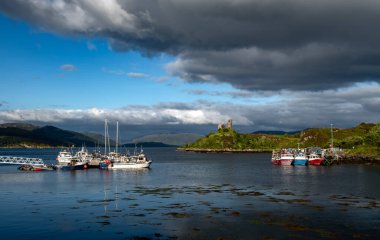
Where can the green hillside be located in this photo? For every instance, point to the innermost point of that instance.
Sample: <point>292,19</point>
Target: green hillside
<point>363,139</point>
<point>230,139</point>
<point>14,135</point>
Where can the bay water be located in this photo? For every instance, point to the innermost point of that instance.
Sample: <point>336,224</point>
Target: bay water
<point>186,195</point>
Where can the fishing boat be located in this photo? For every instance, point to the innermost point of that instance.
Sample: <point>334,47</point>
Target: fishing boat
<point>286,158</point>
<point>103,164</point>
<point>74,164</point>
<point>43,167</point>
<point>83,155</point>
<point>64,156</point>
<point>300,159</point>
<point>115,160</point>
<point>315,159</point>
<point>131,162</point>
<point>275,158</point>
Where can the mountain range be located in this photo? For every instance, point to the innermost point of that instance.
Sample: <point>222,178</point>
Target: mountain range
<point>175,139</point>
<point>27,135</point>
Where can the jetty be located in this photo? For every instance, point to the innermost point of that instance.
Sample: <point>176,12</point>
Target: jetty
<point>21,160</point>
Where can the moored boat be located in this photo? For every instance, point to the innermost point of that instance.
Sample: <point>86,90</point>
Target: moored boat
<point>83,155</point>
<point>315,159</point>
<point>300,159</point>
<point>286,158</point>
<point>64,156</point>
<point>74,164</point>
<point>131,162</point>
<point>103,164</point>
<point>275,158</point>
<point>44,167</point>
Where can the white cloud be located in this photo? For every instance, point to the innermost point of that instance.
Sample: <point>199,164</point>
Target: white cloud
<point>344,107</point>
<point>67,67</point>
<point>129,115</point>
<point>129,74</point>
<point>137,75</point>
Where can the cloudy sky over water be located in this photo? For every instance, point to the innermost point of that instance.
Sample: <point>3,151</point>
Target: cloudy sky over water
<point>186,65</point>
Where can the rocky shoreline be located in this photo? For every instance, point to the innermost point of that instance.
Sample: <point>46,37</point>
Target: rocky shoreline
<point>25,146</point>
<point>358,159</point>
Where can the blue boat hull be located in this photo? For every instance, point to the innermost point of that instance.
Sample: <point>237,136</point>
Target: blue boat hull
<point>75,167</point>
<point>103,165</point>
<point>302,162</point>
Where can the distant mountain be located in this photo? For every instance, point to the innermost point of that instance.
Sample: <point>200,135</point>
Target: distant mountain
<point>98,138</point>
<point>147,144</point>
<point>24,126</point>
<point>174,139</point>
<point>26,135</point>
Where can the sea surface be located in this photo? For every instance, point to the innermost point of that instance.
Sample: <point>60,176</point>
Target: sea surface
<point>187,195</point>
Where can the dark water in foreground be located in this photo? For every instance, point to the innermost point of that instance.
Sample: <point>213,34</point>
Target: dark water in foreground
<point>190,196</point>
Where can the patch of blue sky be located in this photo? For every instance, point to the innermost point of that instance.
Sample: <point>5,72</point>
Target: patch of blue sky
<point>97,76</point>
<point>46,70</point>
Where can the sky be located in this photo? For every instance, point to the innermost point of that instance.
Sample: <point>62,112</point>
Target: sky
<point>184,66</point>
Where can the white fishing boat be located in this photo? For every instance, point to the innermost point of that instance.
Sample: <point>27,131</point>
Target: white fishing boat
<point>64,157</point>
<point>128,162</point>
<point>83,155</point>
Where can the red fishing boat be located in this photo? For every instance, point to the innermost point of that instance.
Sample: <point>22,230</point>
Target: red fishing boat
<point>315,159</point>
<point>275,158</point>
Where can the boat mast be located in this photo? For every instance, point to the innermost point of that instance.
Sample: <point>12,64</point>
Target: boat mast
<point>117,136</point>
<point>105,137</point>
<point>108,140</point>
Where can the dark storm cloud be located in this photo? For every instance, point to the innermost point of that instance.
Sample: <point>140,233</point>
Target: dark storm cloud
<point>251,44</point>
<point>312,67</point>
<point>233,94</point>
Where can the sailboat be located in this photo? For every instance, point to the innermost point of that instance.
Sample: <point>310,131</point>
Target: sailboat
<point>115,160</point>
<point>135,161</point>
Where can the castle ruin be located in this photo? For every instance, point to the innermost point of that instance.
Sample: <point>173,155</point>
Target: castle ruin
<point>227,125</point>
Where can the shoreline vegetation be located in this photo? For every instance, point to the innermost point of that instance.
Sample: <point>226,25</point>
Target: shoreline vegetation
<point>360,145</point>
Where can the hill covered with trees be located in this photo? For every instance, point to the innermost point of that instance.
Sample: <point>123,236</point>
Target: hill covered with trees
<point>363,139</point>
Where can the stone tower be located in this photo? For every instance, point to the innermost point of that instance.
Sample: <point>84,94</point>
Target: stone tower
<point>229,124</point>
